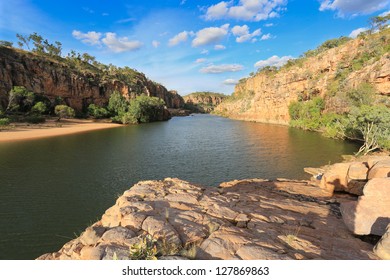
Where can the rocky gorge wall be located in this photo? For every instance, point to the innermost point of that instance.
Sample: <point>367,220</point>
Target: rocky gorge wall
<point>265,97</point>
<point>51,78</point>
<point>203,102</point>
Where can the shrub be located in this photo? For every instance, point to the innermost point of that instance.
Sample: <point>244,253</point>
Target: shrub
<point>97,112</point>
<point>39,108</point>
<point>4,121</point>
<point>63,111</point>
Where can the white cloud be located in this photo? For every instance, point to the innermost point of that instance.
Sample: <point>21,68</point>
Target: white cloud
<point>200,60</point>
<point>210,35</point>
<point>125,20</point>
<point>230,82</point>
<point>219,47</point>
<point>384,13</point>
<point>183,2</point>
<point>204,51</point>
<point>242,33</point>
<point>217,11</point>
<point>268,24</point>
<point>250,10</point>
<point>355,7</point>
<point>120,44</point>
<point>266,37</point>
<point>216,69</point>
<point>156,44</point>
<point>89,38</point>
<point>356,32</point>
<point>181,37</point>
<point>273,61</point>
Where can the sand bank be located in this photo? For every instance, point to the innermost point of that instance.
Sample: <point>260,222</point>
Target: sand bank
<point>51,128</point>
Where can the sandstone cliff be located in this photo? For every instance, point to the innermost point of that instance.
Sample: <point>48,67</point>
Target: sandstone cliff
<point>265,96</point>
<point>55,78</point>
<point>203,102</point>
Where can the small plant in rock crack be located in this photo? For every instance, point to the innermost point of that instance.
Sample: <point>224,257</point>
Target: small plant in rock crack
<point>146,249</point>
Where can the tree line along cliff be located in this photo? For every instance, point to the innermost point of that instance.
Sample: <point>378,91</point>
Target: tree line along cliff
<point>58,77</point>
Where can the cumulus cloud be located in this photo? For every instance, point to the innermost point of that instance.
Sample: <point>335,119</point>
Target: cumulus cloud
<point>156,44</point>
<point>181,37</point>
<point>89,38</point>
<point>266,37</point>
<point>219,47</point>
<point>384,13</point>
<point>250,10</point>
<point>230,82</point>
<point>200,60</point>
<point>242,33</point>
<point>210,35</point>
<point>216,69</point>
<point>353,8</point>
<point>273,61</point>
<point>120,44</point>
<point>356,32</point>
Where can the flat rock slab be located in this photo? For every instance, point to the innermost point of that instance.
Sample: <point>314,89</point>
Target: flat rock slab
<point>247,219</point>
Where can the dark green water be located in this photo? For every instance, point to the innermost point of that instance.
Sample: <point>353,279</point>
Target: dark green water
<point>51,189</point>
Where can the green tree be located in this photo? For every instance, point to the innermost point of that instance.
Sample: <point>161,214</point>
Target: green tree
<point>369,124</point>
<point>63,111</point>
<point>6,43</point>
<point>23,41</point>
<point>146,109</point>
<point>39,108</point>
<point>117,104</point>
<point>97,112</point>
<point>20,99</point>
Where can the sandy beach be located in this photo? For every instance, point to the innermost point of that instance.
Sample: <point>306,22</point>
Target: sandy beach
<point>51,128</point>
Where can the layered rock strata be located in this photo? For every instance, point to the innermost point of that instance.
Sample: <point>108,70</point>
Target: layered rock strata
<point>51,78</point>
<point>265,97</point>
<point>248,219</point>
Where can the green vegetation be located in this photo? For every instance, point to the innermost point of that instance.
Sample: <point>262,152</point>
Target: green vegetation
<point>145,249</point>
<point>97,112</point>
<point>141,109</point>
<point>4,121</point>
<point>63,111</point>
<point>356,116</point>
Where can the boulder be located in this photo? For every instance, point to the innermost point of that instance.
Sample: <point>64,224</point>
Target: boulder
<point>335,179</point>
<point>380,170</point>
<point>357,171</point>
<point>370,214</point>
<point>382,248</point>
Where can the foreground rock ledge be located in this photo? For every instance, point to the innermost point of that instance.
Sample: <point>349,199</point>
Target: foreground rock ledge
<point>248,219</point>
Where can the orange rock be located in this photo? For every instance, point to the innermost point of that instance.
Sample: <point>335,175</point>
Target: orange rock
<point>380,170</point>
<point>370,214</point>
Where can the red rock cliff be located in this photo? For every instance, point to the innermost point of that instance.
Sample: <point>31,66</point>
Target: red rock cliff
<point>78,89</point>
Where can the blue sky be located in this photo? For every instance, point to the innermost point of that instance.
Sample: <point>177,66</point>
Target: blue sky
<point>189,45</point>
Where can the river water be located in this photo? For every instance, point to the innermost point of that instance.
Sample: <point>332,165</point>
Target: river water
<point>52,189</point>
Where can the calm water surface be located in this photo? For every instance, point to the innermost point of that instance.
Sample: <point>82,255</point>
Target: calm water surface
<point>51,189</point>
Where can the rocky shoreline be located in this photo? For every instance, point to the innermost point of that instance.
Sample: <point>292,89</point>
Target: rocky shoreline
<point>246,219</point>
